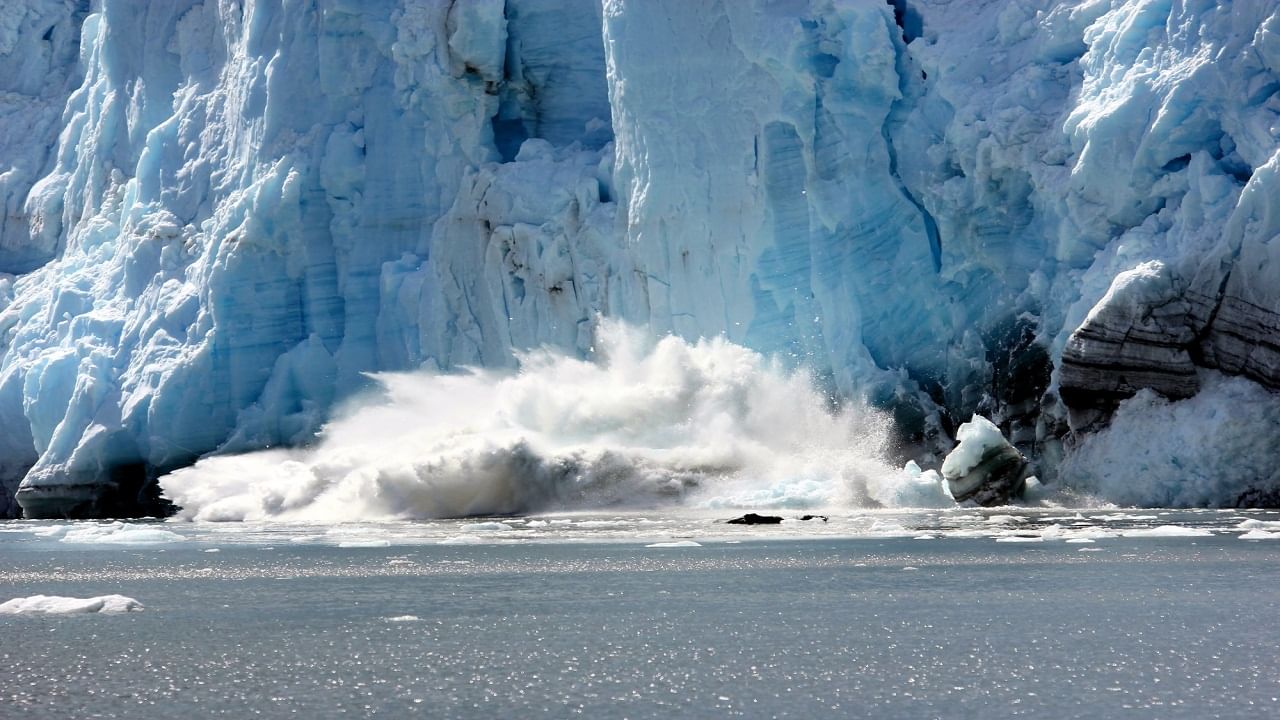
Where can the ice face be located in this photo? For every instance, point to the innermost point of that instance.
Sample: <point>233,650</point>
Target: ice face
<point>218,216</point>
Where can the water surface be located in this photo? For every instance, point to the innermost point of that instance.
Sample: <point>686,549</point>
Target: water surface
<point>852,618</point>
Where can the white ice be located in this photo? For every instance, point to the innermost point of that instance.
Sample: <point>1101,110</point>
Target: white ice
<point>58,605</point>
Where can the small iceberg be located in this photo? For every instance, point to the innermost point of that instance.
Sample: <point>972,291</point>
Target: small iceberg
<point>1168,531</point>
<point>984,467</point>
<point>58,605</point>
<point>117,533</point>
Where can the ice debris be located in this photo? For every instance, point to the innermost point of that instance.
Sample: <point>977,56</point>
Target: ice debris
<point>59,605</point>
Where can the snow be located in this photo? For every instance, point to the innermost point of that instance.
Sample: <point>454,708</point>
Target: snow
<point>58,605</point>
<point>215,218</point>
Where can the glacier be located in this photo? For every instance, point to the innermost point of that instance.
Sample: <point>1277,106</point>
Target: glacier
<point>220,216</point>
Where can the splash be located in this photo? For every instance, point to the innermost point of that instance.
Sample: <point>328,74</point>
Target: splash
<point>650,422</point>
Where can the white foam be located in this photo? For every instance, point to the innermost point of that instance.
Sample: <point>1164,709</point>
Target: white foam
<point>707,423</point>
<point>58,605</point>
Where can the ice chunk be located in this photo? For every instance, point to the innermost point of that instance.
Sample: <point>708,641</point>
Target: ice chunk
<point>58,605</point>
<point>490,526</point>
<point>984,467</point>
<point>364,543</point>
<point>1167,531</point>
<point>118,533</point>
<point>675,544</point>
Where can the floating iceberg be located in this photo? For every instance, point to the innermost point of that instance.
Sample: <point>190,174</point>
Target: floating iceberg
<point>58,605</point>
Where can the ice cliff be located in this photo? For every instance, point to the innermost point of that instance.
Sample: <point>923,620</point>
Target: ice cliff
<point>218,215</point>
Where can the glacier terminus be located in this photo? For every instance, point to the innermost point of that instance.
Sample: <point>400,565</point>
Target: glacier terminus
<point>222,220</point>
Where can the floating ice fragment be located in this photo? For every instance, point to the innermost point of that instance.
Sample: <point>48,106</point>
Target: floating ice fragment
<point>1252,524</point>
<point>58,605</point>
<point>364,543</point>
<point>1167,531</point>
<point>485,527</point>
<point>462,540</point>
<point>1260,535</point>
<point>118,533</point>
<point>675,544</point>
<point>602,523</point>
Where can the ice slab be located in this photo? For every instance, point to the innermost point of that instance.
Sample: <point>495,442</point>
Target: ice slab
<point>59,605</point>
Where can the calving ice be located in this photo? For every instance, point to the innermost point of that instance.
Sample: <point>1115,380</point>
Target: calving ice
<point>845,227</point>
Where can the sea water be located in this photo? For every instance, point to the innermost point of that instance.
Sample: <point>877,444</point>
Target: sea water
<point>964,613</point>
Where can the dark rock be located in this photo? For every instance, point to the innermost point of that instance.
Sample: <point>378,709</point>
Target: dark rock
<point>999,478</point>
<point>1138,336</point>
<point>1244,339</point>
<point>754,519</point>
<point>127,491</point>
<point>823,518</point>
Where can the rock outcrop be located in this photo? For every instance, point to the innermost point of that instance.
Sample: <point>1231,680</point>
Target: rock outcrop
<point>1138,336</point>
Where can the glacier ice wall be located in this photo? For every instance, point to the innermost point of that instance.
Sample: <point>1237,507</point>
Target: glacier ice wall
<point>219,214</point>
